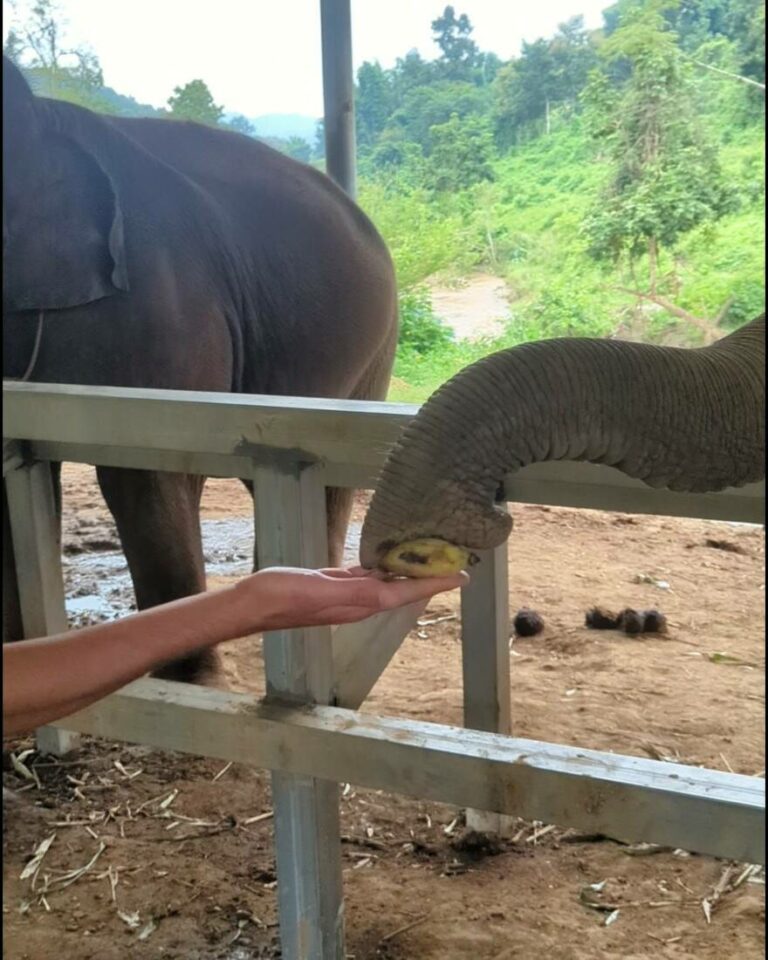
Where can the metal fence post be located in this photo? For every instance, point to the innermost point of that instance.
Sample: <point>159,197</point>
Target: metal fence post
<point>338,93</point>
<point>291,531</point>
<point>37,552</point>
<point>485,660</point>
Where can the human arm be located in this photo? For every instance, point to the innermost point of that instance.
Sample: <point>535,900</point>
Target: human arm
<point>51,677</point>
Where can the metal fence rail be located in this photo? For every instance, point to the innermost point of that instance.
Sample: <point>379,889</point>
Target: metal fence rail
<point>292,448</point>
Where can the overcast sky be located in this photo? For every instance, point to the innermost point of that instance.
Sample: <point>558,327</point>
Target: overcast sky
<point>263,56</point>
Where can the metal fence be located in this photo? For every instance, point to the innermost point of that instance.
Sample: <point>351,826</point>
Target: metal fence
<point>308,732</point>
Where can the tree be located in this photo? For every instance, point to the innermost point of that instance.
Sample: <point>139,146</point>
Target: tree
<point>524,91</point>
<point>35,44</point>
<point>35,40</point>
<point>241,124</point>
<point>425,107</point>
<point>459,52</point>
<point>194,101</point>
<point>298,148</point>
<point>698,21</point>
<point>409,73</point>
<point>398,162</point>
<point>14,47</point>
<point>548,73</point>
<point>573,56</point>
<point>461,153</point>
<point>664,175</point>
<point>745,25</point>
<point>373,103</point>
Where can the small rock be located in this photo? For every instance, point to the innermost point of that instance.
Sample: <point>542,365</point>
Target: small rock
<point>527,623</point>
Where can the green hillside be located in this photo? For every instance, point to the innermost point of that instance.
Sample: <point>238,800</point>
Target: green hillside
<point>526,176</point>
<point>535,208</point>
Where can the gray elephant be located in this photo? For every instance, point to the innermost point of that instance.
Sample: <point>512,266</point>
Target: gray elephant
<point>157,253</point>
<point>689,420</point>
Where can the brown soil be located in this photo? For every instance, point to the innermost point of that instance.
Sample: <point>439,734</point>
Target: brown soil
<point>474,307</point>
<point>205,890</point>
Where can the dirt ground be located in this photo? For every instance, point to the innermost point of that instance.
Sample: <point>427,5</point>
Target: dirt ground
<point>474,307</point>
<point>170,856</point>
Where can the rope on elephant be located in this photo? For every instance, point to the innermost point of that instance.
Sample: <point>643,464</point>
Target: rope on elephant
<point>35,352</point>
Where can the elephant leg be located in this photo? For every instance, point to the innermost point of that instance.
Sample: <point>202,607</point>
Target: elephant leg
<point>158,519</point>
<point>338,504</point>
<point>13,627</point>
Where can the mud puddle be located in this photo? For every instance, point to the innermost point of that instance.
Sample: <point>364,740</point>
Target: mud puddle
<point>98,584</point>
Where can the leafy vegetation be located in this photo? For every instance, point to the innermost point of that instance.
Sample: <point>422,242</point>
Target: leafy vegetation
<point>613,178</point>
<point>194,101</point>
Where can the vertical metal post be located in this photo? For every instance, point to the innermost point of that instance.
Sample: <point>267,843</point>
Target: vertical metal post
<point>338,93</point>
<point>37,553</point>
<point>291,531</point>
<point>485,660</point>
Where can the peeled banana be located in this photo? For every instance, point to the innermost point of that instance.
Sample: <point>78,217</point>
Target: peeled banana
<point>428,557</point>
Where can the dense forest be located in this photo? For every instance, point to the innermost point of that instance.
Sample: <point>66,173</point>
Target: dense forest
<point>613,178</point>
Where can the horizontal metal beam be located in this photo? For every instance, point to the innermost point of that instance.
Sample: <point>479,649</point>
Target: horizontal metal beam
<point>629,798</point>
<point>13,457</point>
<point>266,429</point>
<point>219,434</point>
<point>175,461</point>
<point>566,483</point>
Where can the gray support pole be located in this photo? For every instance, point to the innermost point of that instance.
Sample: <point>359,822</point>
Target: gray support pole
<point>291,531</point>
<point>37,553</point>
<point>485,661</point>
<point>338,93</point>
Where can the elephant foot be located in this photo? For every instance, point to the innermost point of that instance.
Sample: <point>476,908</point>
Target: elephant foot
<point>202,668</point>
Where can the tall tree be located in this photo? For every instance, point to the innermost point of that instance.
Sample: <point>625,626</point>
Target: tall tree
<point>664,175</point>
<point>409,72</point>
<point>573,56</point>
<point>745,24</point>
<point>547,74</point>
<point>36,42</point>
<point>373,102</point>
<point>459,52</point>
<point>525,90</point>
<point>194,101</point>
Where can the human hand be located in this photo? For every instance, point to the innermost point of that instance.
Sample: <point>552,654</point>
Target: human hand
<point>288,597</point>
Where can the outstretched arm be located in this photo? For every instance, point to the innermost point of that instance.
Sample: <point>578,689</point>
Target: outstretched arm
<point>52,677</point>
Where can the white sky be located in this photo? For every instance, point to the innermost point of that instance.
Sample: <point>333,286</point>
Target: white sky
<point>263,56</point>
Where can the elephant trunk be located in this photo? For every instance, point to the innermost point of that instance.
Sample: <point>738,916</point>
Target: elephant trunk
<point>690,420</point>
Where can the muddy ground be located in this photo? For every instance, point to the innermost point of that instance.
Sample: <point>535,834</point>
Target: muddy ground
<point>178,850</point>
<point>473,307</point>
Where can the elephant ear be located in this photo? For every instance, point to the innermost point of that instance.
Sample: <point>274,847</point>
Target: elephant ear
<point>63,242</point>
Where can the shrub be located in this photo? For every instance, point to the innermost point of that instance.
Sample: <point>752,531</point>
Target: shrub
<point>420,330</point>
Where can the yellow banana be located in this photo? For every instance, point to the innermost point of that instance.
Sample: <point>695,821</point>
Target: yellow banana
<point>428,557</point>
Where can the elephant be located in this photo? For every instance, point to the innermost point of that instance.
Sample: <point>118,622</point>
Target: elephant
<point>685,419</point>
<point>157,253</point>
